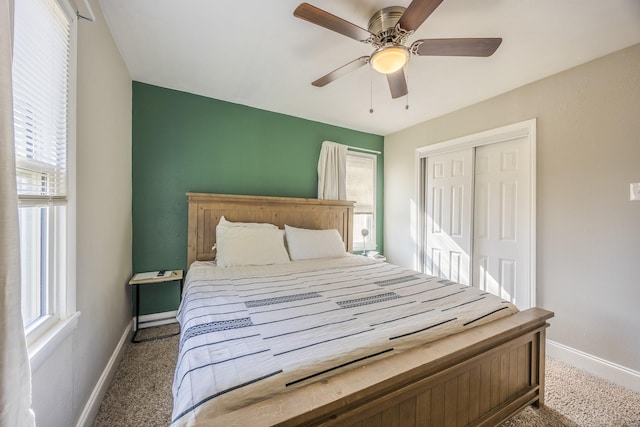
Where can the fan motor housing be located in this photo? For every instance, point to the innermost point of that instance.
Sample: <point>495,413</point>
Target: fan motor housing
<point>383,25</point>
<point>385,19</point>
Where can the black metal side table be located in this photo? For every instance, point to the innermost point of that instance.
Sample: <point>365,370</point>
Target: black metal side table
<point>148,279</point>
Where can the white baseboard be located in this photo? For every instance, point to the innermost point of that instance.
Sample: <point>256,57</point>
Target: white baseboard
<point>90,409</point>
<point>156,319</point>
<point>603,368</point>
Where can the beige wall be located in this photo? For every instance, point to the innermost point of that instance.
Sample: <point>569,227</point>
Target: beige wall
<point>64,383</point>
<point>588,232</point>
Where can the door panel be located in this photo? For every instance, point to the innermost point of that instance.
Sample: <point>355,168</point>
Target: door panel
<point>501,243</point>
<point>449,207</point>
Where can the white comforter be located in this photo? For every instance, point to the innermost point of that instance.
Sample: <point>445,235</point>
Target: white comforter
<point>251,332</point>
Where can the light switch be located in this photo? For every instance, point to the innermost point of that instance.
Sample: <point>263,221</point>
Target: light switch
<point>635,191</point>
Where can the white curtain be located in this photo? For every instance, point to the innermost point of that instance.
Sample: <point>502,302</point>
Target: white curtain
<point>15,372</point>
<point>332,171</point>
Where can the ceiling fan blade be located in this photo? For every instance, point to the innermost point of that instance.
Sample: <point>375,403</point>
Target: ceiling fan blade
<point>339,72</point>
<point>416,13</point>
<point>456,47</point>
<point>324,19</point>
<point>397,84</point>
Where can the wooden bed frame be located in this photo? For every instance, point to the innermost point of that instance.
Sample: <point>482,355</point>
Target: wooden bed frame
<point>479,377</point>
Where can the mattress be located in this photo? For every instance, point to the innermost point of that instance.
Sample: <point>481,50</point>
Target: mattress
<point>249,333</point>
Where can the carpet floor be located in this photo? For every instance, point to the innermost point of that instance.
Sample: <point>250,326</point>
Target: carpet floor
<point>140,393</point>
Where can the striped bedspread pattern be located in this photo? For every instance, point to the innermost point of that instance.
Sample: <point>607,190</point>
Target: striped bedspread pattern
<point>249,333</point>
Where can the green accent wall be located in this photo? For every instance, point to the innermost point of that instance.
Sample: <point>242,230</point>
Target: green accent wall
<point>184,142</point>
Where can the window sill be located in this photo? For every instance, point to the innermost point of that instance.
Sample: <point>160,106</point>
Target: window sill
<point>48,342</point>
<point>359,250</point>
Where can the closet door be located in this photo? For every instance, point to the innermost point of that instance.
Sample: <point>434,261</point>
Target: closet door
<point>502,221</point>
<point>449,198</point>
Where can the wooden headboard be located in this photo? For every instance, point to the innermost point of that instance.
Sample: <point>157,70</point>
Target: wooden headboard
<point>205,211</point>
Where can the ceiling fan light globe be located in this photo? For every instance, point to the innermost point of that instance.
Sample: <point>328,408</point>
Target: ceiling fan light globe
<point>389,59</point>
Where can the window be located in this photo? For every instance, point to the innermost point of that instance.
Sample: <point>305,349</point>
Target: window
<point>361,187</point>
<point>44,39</point>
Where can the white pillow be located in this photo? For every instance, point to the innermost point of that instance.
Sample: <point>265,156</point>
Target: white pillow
<point>223,222</point>
<point>250,246</point>
<point>310,244</point>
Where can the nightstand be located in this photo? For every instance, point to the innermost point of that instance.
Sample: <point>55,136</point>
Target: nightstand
<point>152,278</point>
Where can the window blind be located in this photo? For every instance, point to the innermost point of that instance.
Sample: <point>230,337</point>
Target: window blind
<point>40,97</point>
<point>360,183</point>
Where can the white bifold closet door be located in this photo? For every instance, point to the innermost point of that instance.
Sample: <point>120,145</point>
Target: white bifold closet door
<point>478,220</point>
<point>502,218</point>
<point>449,215</point>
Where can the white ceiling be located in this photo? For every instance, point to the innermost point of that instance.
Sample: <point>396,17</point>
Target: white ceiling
<point>256,53</point>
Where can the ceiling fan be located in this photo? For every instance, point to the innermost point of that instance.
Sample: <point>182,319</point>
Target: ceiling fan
<point>387,32</point>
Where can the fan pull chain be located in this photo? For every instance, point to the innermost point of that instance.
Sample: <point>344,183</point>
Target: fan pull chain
<point>406,72</point>
<point>371,90</point>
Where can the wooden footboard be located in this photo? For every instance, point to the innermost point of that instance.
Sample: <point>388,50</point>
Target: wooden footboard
<point>479,377</point>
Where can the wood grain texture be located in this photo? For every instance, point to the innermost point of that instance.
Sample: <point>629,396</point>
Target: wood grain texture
<point>205,211</point>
